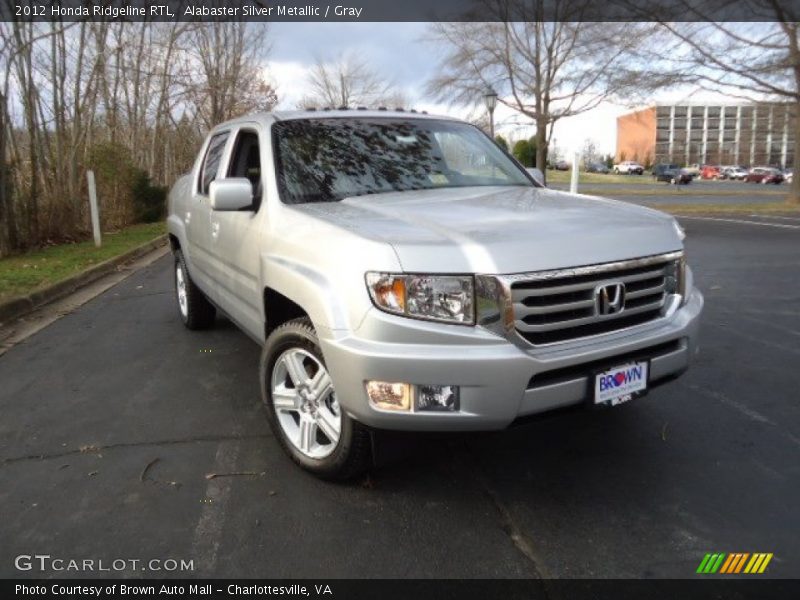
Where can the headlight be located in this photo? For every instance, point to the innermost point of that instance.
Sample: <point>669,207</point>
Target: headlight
<point>446,298</point>
<point>675,281</point>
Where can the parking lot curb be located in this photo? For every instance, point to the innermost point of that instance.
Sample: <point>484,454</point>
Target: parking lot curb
<point>19,306</point>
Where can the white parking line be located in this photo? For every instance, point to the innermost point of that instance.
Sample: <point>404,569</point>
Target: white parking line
<point>740,221</point>
<point>776,217</point>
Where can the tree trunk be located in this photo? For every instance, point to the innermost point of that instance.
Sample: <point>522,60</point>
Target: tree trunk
<point>8,231</point>
<point>541,145</point>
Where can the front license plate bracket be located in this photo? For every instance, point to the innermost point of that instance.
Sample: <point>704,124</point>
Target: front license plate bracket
<point>619,384</point>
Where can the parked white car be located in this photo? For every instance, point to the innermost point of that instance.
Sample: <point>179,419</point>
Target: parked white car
<point>629,167</point>
<point>733,172</point>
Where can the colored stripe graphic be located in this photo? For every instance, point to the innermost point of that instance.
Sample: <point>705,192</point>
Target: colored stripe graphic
<point>734,560</point>
<point>740,564</point>
<point>755,561</point>
<point>727,564</point>
<point>714,566</point>
<point>718,564</point>
<point>734,563</point>
<point>709,564</point>
<point>764,564</point>
<point>703,563</point>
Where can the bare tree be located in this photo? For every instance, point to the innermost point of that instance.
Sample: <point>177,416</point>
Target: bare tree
<point>230,80</point>
<point>748,61</point>
<point>129,100</point>
<point>589,151</point>
<point>349,81</point>
<point>545,70</point>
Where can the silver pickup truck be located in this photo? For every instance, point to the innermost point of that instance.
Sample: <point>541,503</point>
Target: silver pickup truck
<point>402,272</point>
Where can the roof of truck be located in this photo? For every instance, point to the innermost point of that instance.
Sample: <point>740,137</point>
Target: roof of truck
<point>285,115</point>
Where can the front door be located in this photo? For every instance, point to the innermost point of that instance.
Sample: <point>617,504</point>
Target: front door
<point>198,217</point>
<point>235,238</point>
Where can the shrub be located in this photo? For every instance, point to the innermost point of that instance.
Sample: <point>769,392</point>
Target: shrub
<point>524,152</point>
<point>149,201</point>
<point>114,172</point>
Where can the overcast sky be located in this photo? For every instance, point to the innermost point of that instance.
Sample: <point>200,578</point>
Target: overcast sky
<point>400,52</point>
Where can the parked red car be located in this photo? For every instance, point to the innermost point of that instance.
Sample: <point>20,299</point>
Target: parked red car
<point>710,172</point>
<point>764,175</point>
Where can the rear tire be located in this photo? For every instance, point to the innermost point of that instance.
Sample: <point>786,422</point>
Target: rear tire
<point>302,408</point>
<point>194,308</point>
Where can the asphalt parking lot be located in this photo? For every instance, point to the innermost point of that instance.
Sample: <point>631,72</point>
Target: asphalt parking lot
<point>115,421</point>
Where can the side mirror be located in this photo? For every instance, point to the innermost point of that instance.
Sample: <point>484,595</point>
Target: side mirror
<point>234,193</point>
<point>537,175</point>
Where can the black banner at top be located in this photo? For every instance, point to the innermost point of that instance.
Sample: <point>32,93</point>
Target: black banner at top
<point>400,10</point>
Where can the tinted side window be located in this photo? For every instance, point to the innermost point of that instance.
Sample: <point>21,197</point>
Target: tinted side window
<point>246,162</point>
<point>208,172</point>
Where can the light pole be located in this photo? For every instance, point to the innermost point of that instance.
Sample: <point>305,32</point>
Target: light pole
<point>490,100</point>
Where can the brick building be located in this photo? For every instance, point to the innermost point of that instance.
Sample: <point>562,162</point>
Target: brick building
<point>721,134</point>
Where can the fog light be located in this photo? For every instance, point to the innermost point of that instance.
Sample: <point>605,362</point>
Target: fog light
<point>437,398</point>
<point>389,396</point>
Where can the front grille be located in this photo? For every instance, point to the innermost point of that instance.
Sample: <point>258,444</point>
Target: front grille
<point>557,306</point>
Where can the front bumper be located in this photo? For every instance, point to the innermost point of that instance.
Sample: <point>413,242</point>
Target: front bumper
<point>499,381</point>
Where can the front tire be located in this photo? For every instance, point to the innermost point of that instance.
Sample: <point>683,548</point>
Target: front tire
<point>195,310</point>
<point>302,408</point>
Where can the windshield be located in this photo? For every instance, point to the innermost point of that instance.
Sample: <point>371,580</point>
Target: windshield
<point>327,160</point>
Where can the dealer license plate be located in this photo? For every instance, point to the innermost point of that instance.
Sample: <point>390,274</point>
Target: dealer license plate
<point>620,384</point>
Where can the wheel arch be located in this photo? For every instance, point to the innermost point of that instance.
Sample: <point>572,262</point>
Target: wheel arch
<point>296,286</point>
<point>279,309</point>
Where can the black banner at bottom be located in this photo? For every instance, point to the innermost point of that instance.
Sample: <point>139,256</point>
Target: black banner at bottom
<point>407,589</point>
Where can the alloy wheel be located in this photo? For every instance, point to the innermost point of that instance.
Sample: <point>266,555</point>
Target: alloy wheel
<point>305,403</point>
<point>180,287</point>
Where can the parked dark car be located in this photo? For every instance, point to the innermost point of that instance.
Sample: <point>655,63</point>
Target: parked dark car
<point>597,168</point>
<point>764,175</point>
<point>672,174</point>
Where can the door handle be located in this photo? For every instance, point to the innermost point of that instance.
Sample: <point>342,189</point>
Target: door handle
<point>214,229</point>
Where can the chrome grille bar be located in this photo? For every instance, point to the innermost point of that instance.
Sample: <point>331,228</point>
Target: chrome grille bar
<point>554,306</point>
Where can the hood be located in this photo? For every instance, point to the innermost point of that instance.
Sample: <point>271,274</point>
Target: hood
<point>501,229</point>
